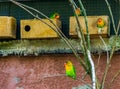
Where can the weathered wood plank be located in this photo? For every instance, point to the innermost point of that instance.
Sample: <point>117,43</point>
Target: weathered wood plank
<point>92,26</point>
<point>31,29</point>
<point>7,27</point>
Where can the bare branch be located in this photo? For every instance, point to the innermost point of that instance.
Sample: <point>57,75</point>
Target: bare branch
<point>105,48</point>
<point>92,69</point>
<point>58,31</point>
<point>87,54</point>
<point>118,27</point>
<point>86,23</point>
<point>111,14</point>
<point>108,60</point>
<point>113,79</point>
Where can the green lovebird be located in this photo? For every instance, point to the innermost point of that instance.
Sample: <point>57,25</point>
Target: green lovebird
<point>70,70</point>
<point>55,15</point>
<point>100,25</point>
<point>78,11</point>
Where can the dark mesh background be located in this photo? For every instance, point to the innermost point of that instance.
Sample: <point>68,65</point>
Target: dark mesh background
<point>93,7</point>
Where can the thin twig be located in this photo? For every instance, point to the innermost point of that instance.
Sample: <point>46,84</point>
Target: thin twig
<point>113,46</point>
<point>86,23</point>
<point>78,28</point>
<point>97,84</point>
<point>75,5</point>
<point>113,79</point>
<point>110,10</point>
<point>87,33</point>
<point>105,48</point>
<point>82,39</point>
<point>78,79</point>
<point>108,64</point>
<point>108,60</point>
<point>118,27</point>
<point>58,31</point>
<point>87,54</point>
<point>99,56</point>
<point>46,76</point>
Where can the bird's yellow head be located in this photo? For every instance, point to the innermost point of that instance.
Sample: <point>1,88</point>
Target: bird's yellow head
<point>57,16</point>
<point>100,21</point>
<point>78,12</point>
<point>68,65</point>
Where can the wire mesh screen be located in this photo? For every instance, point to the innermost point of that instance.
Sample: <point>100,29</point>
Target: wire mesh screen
<point>63,7</point>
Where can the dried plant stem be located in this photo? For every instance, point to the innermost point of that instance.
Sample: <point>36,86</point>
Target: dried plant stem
<point>108,5</point>
<point>87,32</point>
<point>80,33</point>
<point>118,27</point>
<point>58,31</point>
<point>92,70</point>
<point>108,65</point>
<point>47,76</point>
<point>82,40</point>
<point>81,80</point>
<point>97,84</point>
<point>86,50</point>
<point>113,46</point>
<point>99,56</point>
<point>55,75</point>
<point>86,23</point>
<point>108,60</point>
<point>105,48</point>
<point>88,47</point>
<point>113,79</point>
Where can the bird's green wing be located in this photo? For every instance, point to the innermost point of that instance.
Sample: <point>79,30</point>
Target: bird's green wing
<point>54,15</point>
<point>71,73</point>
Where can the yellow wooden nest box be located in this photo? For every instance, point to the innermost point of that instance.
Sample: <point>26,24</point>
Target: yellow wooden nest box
<point>7,27</point>
<point>93,28</point>
<point>35,29</point>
